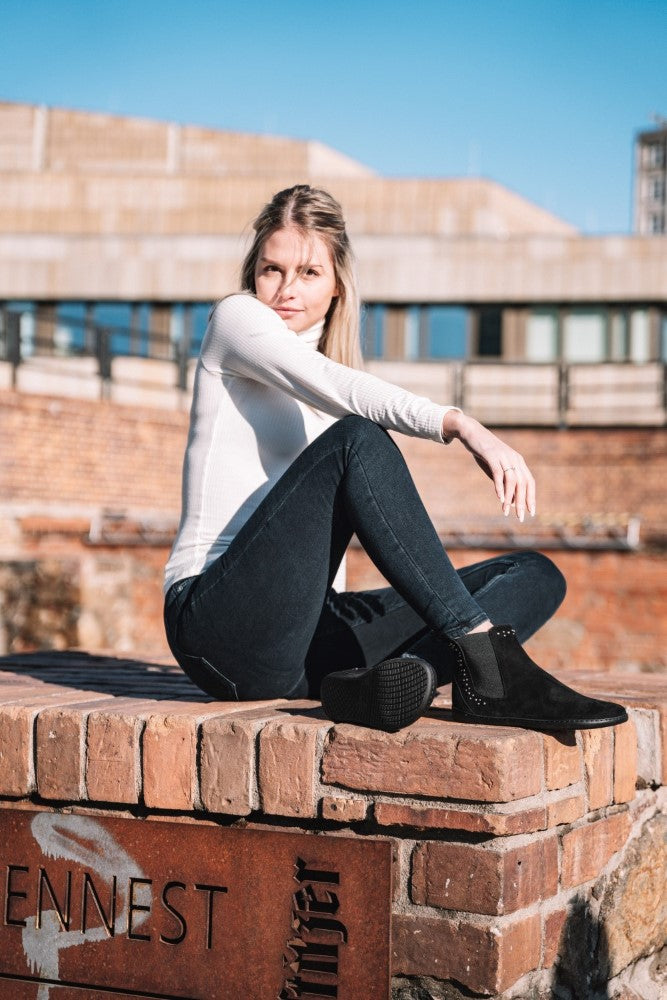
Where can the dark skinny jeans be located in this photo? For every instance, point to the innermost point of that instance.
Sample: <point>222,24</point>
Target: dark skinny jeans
<point>262,621</point>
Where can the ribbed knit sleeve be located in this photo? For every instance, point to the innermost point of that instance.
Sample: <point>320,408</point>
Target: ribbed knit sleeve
<point>248,339</point>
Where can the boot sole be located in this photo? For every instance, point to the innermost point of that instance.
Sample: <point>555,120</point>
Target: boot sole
<point>389,696</point>
<point>547,725</point>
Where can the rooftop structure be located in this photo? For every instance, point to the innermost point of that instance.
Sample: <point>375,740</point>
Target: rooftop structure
<point>650,209</point>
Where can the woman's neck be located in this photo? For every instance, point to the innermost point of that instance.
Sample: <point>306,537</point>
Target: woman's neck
<point>313,334</point>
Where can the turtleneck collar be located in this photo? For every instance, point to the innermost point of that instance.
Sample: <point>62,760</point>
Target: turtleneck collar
<point>312,335</point>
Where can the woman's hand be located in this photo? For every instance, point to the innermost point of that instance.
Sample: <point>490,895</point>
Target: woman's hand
<point>514,483</point>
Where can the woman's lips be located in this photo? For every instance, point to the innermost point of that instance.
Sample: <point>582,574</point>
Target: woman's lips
<point>286,311</point>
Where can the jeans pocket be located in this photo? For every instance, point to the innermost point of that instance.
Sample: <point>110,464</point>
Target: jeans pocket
<point>207,677</point>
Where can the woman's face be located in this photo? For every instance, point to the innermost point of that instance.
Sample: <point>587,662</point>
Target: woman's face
<point>295,276</point>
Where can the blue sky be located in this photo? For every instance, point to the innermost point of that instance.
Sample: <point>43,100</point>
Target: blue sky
<point>543,96</point>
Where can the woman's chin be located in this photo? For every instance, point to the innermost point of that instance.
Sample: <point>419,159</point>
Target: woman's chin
<point>295,323</point>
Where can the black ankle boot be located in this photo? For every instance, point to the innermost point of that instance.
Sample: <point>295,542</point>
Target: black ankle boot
<point>389,696</point>
<point>496,682</point>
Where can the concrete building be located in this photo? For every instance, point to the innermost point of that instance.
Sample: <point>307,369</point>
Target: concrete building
<point>650,208</point>
<point>136,226</point>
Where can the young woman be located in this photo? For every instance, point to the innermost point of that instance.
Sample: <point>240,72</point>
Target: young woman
<point>287,457</point>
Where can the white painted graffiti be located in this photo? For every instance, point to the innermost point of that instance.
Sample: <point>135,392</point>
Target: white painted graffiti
<point>85,842</point>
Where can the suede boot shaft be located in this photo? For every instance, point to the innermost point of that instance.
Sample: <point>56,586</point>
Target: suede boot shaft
<point>496,682</point>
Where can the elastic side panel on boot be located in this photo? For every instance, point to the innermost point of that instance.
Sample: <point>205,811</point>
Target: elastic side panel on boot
<point>481,660</point>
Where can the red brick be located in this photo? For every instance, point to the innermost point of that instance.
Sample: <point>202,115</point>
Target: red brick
<point>288,765</point>
<point>419,816</point>
<point>169,761</point>
<point>587,849</point>
<point>17,772</point>
<point>169,751</point>
<point>553,924</point>
<point>597,747</point>
<point>485,957</point>
<point>60,753</point>
<point>478,879</point>
<point>562,760</point>
<point>344,810</point>
<point>228,768</point>
<point>441,759</point>
<point>565,810</point>
<point>113,751</point>
<point>17,717</point>
<point>625,762</point>
<point>520,950</point>
<point>14,686</point>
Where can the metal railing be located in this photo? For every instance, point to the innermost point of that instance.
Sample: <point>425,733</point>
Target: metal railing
<point>499,392</point>
<point>87,339</point>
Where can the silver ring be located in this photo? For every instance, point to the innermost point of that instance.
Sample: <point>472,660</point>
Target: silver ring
<point>510,468</point>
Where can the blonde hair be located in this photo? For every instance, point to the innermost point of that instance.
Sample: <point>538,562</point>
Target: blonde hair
<point>311,210</point>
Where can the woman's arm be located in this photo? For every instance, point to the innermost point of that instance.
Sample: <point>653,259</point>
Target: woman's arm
<point>247,338</point>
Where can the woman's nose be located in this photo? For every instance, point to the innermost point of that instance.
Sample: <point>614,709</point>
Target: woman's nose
<point>287,286</point>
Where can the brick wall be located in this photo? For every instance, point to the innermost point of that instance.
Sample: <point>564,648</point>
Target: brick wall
<point>525,864</point>
<point>59,451</point>
<point>98,453</point>
<point>65,461</point>
<point>68,450</point>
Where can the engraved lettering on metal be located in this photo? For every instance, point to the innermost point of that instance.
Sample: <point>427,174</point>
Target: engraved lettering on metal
<point>304,954</point>
<point>193,911</point>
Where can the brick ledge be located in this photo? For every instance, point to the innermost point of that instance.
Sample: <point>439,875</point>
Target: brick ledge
<point>78,727</point>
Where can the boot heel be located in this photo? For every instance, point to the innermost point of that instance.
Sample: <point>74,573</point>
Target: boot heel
<point>388,696</point>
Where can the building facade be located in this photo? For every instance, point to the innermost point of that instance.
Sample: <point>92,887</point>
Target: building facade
<point>650,208</point>
<point>139,225</point>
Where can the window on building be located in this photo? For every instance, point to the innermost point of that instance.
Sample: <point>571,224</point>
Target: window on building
<point>654,154</point>
<point>412,330</point>
<point>640,336</point>
<point>585,335</point>
<point>618,336</point>
<point>372,330</point>
<point>117,318</point>
<point>489,342</point>
<point>657,223</point>
<point>657,189</point>
<point>69,335</point>
<point>26,313</point>
<point>176,326</point>
<point>542,335</point>
<point>446,331</point>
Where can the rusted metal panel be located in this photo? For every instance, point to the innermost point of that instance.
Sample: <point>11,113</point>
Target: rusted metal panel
<point>161,910</point>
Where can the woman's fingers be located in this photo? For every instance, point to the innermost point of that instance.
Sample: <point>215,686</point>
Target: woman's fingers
<point>531,495</point>
<point>512,479</point>
<point>511,484</point>
<point>499,481</point>
<point>519,488</point>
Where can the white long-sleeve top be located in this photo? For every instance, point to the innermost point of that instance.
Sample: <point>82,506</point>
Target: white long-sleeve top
<point>262,393</point>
